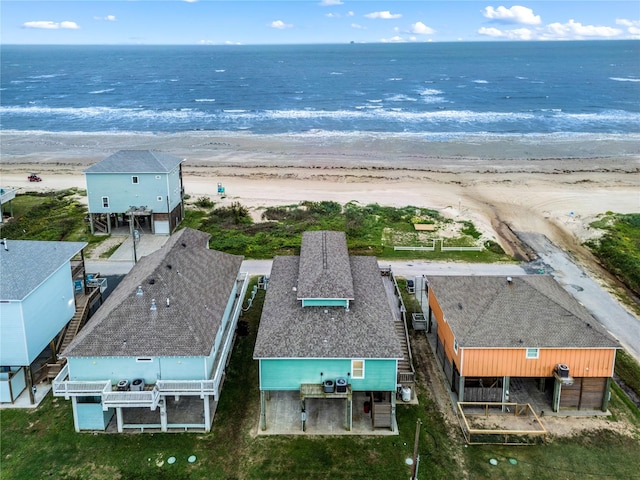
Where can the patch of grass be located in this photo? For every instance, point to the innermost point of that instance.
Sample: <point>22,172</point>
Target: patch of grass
<point>370,229</point>
<point>53,216</point>
<point>619,248</point>
<point>593,454</point>
<point>628,370</point>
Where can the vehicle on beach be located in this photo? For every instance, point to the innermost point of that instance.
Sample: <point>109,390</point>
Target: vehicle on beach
<point>33,177</point>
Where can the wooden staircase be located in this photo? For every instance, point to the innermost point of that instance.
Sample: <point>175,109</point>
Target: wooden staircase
<point>100,225</point>
<point>406,373</point>
<point>83,305</point>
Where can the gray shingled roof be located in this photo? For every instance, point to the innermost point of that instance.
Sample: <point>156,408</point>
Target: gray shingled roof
<point>28,263</point>
<point>136,161</point>
<point>324,266</point>
<point>533,311</point>
<point>287,330</point>
<point>198,283</point>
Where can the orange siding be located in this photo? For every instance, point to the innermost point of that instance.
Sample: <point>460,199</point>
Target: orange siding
<point>444,331</point>
<point>513,363</point>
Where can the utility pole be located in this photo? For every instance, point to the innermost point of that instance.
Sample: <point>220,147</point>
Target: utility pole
<point>414,468</point>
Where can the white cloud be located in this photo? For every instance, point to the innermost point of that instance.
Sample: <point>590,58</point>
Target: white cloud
<point>280,25</point>
<point>330,3</point>
<point>48,25</point>
<point>515,34</point>
<point>395,39</point>
<point>633,26</point>
<point>350,14</point>
<point>190,1</point>
<point>420,28</point>
<point>332,15</point>
<point>108,18</point>
<point>516,14</point>
<point>386,15</point>
<point>357,26</point>
<point>573,30</point>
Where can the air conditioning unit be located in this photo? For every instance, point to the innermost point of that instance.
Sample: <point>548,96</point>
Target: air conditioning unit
<point>137,385</point>
<point>329,386</point>
<point>563,370</point>
<point>123,385</point>
<point>341,385</point>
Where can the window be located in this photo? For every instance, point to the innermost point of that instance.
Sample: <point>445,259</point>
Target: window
<point>135,179</point>
<point>357,368</point>
<point>105,202</point>
<point>455,345</point>
<point>533,352</point>
<point>144,359</point>
<point>159,198</point>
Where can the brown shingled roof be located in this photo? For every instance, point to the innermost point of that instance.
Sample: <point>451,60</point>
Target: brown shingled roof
<point>529,311</point>
<point>197,281</point>
<point>287,330</point>
<point>324,266</point>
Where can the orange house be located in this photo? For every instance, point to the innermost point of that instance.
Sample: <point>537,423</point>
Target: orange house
<point>496,332</point>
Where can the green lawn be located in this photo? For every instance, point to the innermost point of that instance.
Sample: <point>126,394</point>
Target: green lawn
<point>42,444</point>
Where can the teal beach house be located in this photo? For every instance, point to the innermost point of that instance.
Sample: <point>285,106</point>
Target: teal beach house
<point>327,333</point>
<point>153,356</point>
<point>39,283</point>
<point>138,189</point>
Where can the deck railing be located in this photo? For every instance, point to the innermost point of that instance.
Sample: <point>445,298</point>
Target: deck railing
<point>187,387</point>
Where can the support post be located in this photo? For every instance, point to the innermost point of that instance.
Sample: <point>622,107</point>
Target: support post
<point>505,390</point>
<point>606,394</point>
<point>461,388</point>
<point>119,420</point>
<point>263,413</point>
<point>207,414</point>
<point>163,415</point>
<point>29,378</point>
<point>74,407</point>
<point>557,387</point>
<point>393,411</point>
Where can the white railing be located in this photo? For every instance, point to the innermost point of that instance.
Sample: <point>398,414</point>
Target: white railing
<point>128,398</point>
<point>62,387</point>
<point>187,387</point>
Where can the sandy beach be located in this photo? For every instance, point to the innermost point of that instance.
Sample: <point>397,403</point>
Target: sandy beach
<point>556,188</point>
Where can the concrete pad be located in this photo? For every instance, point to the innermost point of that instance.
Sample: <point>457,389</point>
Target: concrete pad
<point>325,416</point>
<point>144,246</point>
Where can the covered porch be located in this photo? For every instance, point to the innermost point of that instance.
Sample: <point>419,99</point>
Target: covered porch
<point>324,415</point>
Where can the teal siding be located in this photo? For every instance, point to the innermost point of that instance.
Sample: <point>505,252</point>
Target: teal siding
<point>123,193</point>
<point>92,417</point>
<point>183,368</point>
<point>128,368</point>
<point>13,346</point>
<point>325,302</point>
<point>27,327</point>
<point>13,386</point>
<point>288,374</point>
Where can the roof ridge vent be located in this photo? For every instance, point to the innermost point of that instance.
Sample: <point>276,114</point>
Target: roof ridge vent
<point>139,291</point>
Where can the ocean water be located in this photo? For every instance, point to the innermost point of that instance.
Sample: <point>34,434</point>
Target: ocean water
<point>435,90</point>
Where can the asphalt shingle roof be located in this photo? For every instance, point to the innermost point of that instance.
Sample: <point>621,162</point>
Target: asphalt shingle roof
<point>287,330</point>
<point>324,266</point>
<point>198,283</point>
<point>136,161</point>
<point>532,311</point>
<point>25,264</point>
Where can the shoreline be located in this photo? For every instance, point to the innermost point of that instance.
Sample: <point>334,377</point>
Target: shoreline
<point>500,195</point>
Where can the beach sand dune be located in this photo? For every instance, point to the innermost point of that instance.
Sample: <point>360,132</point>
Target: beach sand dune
<point>501,187</point>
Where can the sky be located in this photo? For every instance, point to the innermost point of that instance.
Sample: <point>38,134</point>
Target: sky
<point>245,22</point>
